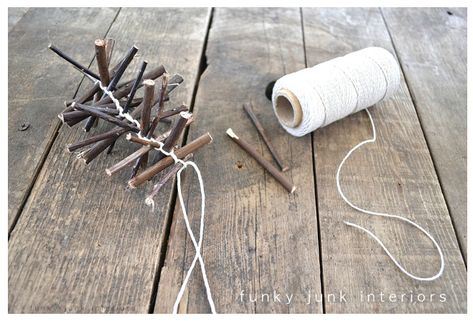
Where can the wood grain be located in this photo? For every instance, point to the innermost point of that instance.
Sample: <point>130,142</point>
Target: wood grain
<point>258,238</point>
<point>437,76</point>
<point>85,243</point>
<point>38,82</point>
<point>394,175</point>
<point>15,15</point>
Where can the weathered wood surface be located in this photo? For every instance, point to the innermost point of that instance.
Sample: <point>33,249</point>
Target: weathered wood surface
<point>15,15</point>
<point>431,47</point>
<point>38,83</point>
<point>394,175</point>
<point>84,242</point>
<point>258,238</point>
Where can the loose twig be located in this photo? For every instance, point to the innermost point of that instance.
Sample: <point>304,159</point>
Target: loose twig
<point>263,162</point>
<point>249,110</point>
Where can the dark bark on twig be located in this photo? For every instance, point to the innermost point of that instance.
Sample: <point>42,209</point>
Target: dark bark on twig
<point>135,86</point>
<point>114,120</point>
<point>182,152</point>
<point>77,65</point>
<point>164,179</point>
<point>113,83</point>
<point>249,110</point>
<point>102,145</point>
<point>110,134</point>
<point>263,162</point>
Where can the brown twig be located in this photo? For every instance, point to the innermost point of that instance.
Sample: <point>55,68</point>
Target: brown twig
<point>172,112</point>
<point>263,162</point>
<point>130,158</point>
<point>143,160</point>
<point>147,105</point>
<point>113,83</point>
<point>127,160</point>
<point>167,161</point>
<point>114,120</point>
<point>122,91</point>
<point>249,110</point>
<point>110,134</point>
<point>164,179</point>
<point>77,65</point>
<point>176,132</point>
<point>102,61</point>
<point>74,116</point>
<point>102,145</point>
<point>135,86</point>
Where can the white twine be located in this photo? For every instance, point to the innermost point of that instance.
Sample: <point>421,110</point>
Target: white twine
<point>197,245</point>
<point>339,87</point>
<point>339,188</point>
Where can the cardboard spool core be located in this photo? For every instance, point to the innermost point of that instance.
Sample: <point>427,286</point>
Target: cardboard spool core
<point>288,108</point>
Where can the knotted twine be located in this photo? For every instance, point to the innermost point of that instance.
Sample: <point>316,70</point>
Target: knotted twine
<point>197,244</point>
<point>315,97</point>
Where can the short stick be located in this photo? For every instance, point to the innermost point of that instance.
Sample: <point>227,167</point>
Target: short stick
<point>95,113</point>
<point>135,86</point>
<point>77,65</point>
<point>263,162</point>
<point>110,134</point>
<point>127,160</point>
<point>172,112</point>
<point>147,105</point>
<point>249,110</point>
<point>167,161</point>
<point>163,180</point>
<point>176,132</point>
<point>102,61</point>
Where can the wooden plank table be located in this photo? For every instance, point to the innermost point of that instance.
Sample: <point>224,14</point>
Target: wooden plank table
<point>82,242</point>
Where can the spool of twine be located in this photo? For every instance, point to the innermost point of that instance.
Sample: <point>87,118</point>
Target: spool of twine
<point>315,97</point>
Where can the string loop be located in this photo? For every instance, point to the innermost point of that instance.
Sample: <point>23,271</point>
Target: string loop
<point>373,213</point>
<point>197,244</point>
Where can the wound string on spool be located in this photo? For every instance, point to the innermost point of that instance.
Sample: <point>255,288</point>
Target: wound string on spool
<point>315,97</point>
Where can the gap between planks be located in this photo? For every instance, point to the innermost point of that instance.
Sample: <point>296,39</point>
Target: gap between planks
<point>51,138</point>
<point>170,215</point>
<point>312,146</point>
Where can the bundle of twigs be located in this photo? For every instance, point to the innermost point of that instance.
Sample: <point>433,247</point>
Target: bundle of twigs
<point>136,118</point>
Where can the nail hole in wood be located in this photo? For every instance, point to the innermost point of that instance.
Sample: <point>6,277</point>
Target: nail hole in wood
<point>269,89</point>
<point>450,13</point>
<point>239,164</point>
<point>24,126</point>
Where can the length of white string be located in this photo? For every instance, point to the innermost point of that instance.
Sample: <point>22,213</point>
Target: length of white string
<point>442,262</point>
<point>197,245</point>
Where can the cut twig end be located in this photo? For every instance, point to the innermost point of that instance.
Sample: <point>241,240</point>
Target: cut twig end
<point>109,173</point>
<point>149,82</point>
<point>293,189</point>
<point>285,168</point>
<point>149,201</point>
<point>185,114</point>
<point>128,136</point>
<point>100,42</point>
<point>232,134</point>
